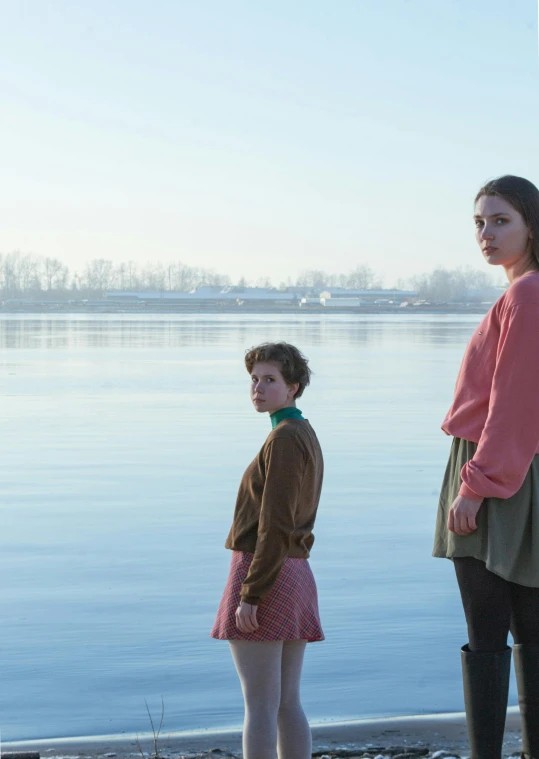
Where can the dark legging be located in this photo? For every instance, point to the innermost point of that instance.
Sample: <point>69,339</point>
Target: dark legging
<point>493,606</point>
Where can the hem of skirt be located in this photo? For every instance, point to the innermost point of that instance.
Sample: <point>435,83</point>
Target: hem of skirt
<point>442,556</point>
<point>488,564</point>
<point>272,640</point>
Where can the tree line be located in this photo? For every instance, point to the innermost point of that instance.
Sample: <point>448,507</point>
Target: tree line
<point>25,273</point>
<point>29,275</point>
<point>438,285</point>
<point>441,285</point>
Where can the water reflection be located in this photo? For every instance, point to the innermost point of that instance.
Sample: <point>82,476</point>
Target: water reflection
<point>17,332</point>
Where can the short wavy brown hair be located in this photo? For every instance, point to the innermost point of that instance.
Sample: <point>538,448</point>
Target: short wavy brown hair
<point>293,364</point>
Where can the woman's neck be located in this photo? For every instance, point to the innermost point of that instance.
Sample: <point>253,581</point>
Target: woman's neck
<point>288,412</point>
<point>520,268</point>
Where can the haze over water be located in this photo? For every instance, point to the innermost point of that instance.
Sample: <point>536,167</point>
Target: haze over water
<point>124,441</point>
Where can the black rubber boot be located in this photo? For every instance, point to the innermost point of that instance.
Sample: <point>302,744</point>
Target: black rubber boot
<point>485,677</point>
<point>527,672</point>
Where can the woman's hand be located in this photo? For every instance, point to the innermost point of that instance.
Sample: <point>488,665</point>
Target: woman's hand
<point>246,618</point>
<point>462,515</point>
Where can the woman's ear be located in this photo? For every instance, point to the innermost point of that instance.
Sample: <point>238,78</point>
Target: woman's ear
<point>293,389</point>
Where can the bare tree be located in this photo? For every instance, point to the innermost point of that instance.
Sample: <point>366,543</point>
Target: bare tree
<point>181,277</point>
<point>9,275</point>
<point>120,277</point>
<point>154,276</point>
<point>363,278</point>
<point>19,272</point>
<point>313,278</point>
<point>360,278</point>
<point>131,275</point>
<point>446,285</point>
<point>210,277</point>
<point>97,275</point>
<point>55,274</point>
<point>29,278</point>
<point>263,282</point>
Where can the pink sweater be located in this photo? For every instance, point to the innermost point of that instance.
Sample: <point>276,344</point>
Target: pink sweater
<point>496,401</point>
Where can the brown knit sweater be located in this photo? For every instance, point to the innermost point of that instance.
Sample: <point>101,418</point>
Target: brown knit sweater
<point>276,505</point>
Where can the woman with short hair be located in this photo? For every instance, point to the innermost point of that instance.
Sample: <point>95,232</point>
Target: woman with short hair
<point>269,609</point>
<point>488,515</point>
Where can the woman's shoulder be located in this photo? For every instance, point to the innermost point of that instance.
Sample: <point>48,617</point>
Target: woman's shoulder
<point>524,290</point>
<point>296,433</point>
<point>288,429</point>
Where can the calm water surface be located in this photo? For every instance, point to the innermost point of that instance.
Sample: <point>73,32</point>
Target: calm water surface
<point>123,443</point>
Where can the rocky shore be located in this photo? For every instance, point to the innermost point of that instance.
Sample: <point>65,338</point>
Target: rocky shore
<point>392,752</point>
<point>365,752</point>
<point>420,737</point>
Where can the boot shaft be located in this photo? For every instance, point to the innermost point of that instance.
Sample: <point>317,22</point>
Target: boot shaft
<point>485,678</point>
<point>526,658</point>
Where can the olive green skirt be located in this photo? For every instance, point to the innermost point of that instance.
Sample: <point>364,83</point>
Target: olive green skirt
<point>507,535</point>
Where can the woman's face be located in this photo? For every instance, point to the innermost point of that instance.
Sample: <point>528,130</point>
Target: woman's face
<point>501,232</point>
<point>269,391</point>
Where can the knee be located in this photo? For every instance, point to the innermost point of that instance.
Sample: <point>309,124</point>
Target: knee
<point>290,702</point>
<point>525,629</point>
<point>262,704</point>
<point>486,632</point>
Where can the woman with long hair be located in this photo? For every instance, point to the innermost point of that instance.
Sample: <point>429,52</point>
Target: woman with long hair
<point>269,609</point>
<point>488,515</point>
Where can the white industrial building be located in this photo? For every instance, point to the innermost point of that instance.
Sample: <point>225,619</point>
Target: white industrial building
<point>205,295</point>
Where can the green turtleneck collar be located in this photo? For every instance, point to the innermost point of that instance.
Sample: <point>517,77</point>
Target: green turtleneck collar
<point>290,412</point>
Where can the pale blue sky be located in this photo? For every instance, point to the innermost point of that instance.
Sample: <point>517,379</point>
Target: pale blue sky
<point>262,138</point>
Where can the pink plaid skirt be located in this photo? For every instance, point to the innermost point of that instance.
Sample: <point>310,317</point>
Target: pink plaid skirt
<point>289,611</point>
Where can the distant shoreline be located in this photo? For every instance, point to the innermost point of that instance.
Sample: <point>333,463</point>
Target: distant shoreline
<point>238,310</point>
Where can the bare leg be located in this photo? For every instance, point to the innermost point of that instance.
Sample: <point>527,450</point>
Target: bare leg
<point>259,669</point>
<point>294,735</point>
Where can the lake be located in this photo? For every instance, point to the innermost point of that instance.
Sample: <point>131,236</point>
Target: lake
<point>123,444</point>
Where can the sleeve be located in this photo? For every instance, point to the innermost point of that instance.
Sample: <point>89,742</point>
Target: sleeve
<point>510,437</point>
<point>284,467</point>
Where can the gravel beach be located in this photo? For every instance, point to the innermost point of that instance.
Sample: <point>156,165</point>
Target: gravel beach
<point>424,737</point>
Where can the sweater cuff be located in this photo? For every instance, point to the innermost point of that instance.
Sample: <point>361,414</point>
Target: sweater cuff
<point>466,492</point>
<point>253,600</point>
